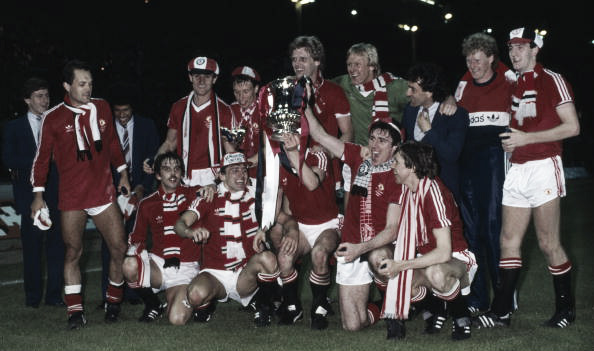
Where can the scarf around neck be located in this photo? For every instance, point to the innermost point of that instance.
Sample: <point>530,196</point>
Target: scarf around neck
<point>380,109</point>
<point>85,125</point>
<point>524,96</point>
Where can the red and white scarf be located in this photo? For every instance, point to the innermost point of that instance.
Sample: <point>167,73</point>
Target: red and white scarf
<point>172,203</point>
<point>412,232</point>
<point>85,125</point>
<point>380,109</point>
<point>524,97</point>
<point>215,151</point>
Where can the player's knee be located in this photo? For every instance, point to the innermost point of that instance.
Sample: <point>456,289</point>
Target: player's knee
<point>177,318</point>
<point>437,277</point>
<point>197,294</point>
<point>351,325</point>
<point>319,256</point>
<point>72,253</point>
<point>268,260</point>
<point>130,269</point>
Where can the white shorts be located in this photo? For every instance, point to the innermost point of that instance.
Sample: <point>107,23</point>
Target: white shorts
<point>534,183</point>
<point>172,276</point>
<point>93,211</point>
<point>202,177</point>
<point>313,231</point>
<point>471,267</point>
<point>229,281</point>
<point>353,273</point>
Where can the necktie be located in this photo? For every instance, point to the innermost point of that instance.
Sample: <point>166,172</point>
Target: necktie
<point>126,150</point>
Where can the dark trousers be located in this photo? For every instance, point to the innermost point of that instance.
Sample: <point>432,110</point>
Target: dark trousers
<point>33,240</point>
<point>481,178</point>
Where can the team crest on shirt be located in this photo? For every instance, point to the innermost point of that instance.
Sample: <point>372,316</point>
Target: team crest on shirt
<point>159,219</point>
<point>102,124</point>
<point>69,128</point>
<point>255,125</point>
<point>379,190</point>
<point>548,191</point>
<point>284,181</point>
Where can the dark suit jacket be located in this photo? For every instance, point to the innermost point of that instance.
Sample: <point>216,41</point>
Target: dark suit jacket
<point>447,135</point>
<point>145,142</point>
<point>18,152</point>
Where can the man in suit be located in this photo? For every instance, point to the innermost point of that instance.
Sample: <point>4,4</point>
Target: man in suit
<point>21,137</point>
<point>423,122</point>
<point>140,141</point>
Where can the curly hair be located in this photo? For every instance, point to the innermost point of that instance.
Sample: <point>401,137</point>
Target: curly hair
<point>481,42</point>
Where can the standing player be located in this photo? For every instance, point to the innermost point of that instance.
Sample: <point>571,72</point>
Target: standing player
<point>79,135</point>
<point>485,92</point>
<point>371,94</point>
<point>194,125</point>
<point>430,251</point>
<point>246,83</point>
<point>172,261</point>
<point>543,114</point>
<point>309,199</point>
<point>233,265</point>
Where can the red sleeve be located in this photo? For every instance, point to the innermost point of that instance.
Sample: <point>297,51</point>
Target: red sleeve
<point>342,108</point>
<point>352,155</point>
<point>43,155</point>
<point>141,226</point>
<point>395,194</point>
<point>225,114</point>
<point>173,122</point>
<point>435,208</point>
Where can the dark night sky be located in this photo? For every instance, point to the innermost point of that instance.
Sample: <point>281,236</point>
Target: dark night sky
<point>150,44</point>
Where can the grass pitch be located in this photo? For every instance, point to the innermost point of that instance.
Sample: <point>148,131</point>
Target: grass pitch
<point>24,328</point>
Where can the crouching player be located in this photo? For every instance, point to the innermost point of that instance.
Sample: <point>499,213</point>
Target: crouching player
<point>309,198</point>
<point>233,264</point>
<point>431,258</point>
<point>173,261</point>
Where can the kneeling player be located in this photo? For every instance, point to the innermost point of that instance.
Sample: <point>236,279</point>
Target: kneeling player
<point>227,227</point>
<point>430,251</point>
<point>309,198</point>
<point>173,261</point>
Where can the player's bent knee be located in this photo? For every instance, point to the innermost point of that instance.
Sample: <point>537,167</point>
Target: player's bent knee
<point>130,269</point>
<point>176,318</point>
<point>197,295</point>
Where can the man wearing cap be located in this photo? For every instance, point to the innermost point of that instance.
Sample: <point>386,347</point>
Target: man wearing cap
<point>485,92</point>
<point>79,134</point>
<point>246,83</point>
<point>543,114</point>
<point>19,145</point>
<point>195,123</point>
<point>233,264</point>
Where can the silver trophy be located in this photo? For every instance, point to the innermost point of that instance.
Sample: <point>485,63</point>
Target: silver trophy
<point>284,98</point>
<point>234,136</point>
